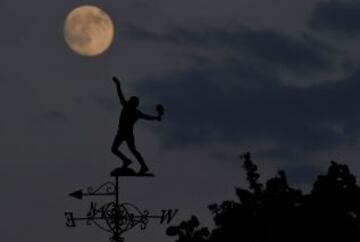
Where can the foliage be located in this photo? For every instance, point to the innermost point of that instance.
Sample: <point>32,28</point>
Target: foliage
<point>277,212</point>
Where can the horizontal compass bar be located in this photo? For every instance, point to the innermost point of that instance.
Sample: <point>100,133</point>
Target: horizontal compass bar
<point>165,217</point>
<point>79,194</point>
<point>120,217</point>
<point>92,218</point>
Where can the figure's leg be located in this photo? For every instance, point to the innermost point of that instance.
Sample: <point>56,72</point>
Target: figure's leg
<point>131,144</point>
<point>115,149</point>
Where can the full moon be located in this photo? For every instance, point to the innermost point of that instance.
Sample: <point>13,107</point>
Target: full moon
<point>88,30</point>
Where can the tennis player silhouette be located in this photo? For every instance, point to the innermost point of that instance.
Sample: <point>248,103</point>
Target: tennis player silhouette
<point>128,117</point>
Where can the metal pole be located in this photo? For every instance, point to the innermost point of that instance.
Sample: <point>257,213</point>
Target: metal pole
<point>117,190</point>
<point>117,209</point>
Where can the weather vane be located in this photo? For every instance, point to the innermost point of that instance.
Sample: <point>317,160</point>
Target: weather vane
<point>118,217</point>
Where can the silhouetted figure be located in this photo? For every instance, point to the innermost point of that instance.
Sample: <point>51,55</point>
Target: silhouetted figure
<point>276,212</point>
<point>129,115</point>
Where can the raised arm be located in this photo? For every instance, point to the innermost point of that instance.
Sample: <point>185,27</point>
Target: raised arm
<point>119,91</point>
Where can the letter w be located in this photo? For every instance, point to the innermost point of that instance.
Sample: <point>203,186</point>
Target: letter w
<point>168,215</point>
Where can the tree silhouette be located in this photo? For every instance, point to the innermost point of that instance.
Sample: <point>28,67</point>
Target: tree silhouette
<point>277,212</point>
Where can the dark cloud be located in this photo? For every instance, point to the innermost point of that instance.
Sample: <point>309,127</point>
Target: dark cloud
<point>337,16</point>
<point>302,54</point>
<point>235,102</point>
<point>239,94</point>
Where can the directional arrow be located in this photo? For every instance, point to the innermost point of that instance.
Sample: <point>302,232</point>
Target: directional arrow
<point>79,194</point>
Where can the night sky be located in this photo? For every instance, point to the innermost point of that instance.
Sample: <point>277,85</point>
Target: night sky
<point>280,79</point>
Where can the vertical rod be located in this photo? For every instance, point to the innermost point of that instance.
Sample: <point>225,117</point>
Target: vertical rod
<point>117,191</point>
<point>117,208</point>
